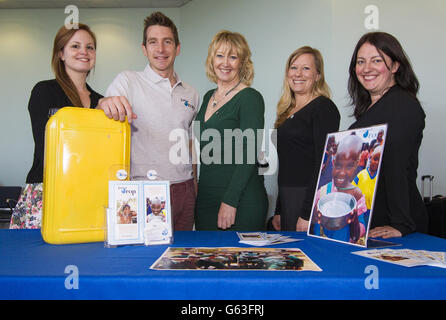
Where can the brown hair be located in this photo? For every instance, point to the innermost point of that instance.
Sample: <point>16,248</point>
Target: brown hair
<point>405,77</point>
<point>62,37</point>
<point>159,19</point>
<point>237,43</point>
<point>287,100</point>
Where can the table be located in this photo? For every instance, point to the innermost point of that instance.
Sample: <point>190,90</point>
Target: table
<point>33,269</point>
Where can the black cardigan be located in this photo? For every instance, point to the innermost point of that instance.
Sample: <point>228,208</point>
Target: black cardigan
<point>300,145</point>
<point>46,96</point>
<point>398,202</point>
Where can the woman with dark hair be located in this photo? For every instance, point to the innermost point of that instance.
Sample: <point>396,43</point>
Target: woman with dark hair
<point>383,88</point>
<point>305,115</point>
<point>74,56</point>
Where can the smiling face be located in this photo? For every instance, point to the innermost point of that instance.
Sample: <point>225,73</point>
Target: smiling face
<point>344,168</point>
<point>161,50</point>
<point>374,70</point>
<point>156,208</point>
<point>226,64</point>
<point>374,159</point>
<point>126,215</point>
<point>79,54</point>
<point>302,74</point>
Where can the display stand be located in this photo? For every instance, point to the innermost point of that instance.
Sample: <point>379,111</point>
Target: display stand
<point>139,212</point>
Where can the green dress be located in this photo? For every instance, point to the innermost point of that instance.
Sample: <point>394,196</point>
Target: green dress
<point>228,147</point>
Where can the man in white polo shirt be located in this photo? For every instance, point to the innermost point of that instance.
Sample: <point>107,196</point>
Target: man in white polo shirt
<point>158,103</point>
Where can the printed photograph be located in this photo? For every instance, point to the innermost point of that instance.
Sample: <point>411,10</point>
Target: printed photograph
<point>158,220</point>
<point>348,176</point>
<point>283,259</point>
<point>123,223</point>
<point>125,214</point>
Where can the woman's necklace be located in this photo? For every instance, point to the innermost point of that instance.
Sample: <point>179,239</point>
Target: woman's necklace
<point>297,108</point>
<point>215,101</point>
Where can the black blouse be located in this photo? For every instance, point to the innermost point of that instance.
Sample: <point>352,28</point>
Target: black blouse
<point>300,145</point>
<point>47,97</point>
<point>398,202</point>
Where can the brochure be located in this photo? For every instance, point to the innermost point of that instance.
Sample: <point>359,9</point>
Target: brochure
<point>264,239</point>
<point>139,213</point>
<point>406,257</point>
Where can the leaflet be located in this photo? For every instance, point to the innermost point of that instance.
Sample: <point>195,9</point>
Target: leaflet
<point>264,239</point>
<point>406,257</point>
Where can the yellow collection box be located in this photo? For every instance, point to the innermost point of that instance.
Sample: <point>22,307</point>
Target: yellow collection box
<point>83,151</point>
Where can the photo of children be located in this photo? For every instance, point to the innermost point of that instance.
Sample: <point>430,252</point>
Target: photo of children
<point>156,210</point>
<point>234,259</point>
<point>158,224</point>
<point>126,215</point>
<point>366,178</point>
<point>123,224</point>
<point>343,201</point>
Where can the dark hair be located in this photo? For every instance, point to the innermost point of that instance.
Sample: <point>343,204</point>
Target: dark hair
<point>404,77</point>
<point>62,37</point>
<point>159,19</point>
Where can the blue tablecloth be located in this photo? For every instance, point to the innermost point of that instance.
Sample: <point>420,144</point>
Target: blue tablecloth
<point>33,269</point>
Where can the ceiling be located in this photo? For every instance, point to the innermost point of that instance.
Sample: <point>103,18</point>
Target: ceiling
<point>48,4</point>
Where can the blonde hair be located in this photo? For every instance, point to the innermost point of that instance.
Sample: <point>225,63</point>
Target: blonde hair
<point>62,37</point>
<point>287,100</point>
<point>236,42</point>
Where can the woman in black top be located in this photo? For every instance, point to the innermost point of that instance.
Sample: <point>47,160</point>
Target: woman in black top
<point>305,114</point>
<point>74,56</point>
<point>384,88</point>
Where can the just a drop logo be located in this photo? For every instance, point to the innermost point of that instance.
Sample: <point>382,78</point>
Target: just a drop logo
<point>366,133</point>
<point>129,191</point>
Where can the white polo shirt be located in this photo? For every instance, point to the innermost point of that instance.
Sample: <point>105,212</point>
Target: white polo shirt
<point>161,133</point>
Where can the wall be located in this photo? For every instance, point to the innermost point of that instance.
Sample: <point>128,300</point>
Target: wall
<point>273,29</point>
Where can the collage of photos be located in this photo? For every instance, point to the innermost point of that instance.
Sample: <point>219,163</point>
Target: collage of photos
<point>234,259</point>
<point>348,177</point>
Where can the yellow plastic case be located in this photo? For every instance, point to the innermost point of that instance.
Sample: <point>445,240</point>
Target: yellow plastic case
<point>83,151</point>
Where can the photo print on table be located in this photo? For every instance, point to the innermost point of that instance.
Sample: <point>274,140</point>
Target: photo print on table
<point>348,178</point>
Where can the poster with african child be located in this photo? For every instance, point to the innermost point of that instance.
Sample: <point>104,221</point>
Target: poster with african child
<point>348,178</point>
<point>227,258</point>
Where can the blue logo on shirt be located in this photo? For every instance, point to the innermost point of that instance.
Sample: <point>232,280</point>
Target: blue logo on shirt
<point>187,104</point>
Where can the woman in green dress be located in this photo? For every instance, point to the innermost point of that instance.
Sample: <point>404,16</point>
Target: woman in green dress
<point>231,193</point>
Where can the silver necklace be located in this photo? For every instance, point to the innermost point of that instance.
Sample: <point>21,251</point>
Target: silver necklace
<point>215,101</point>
